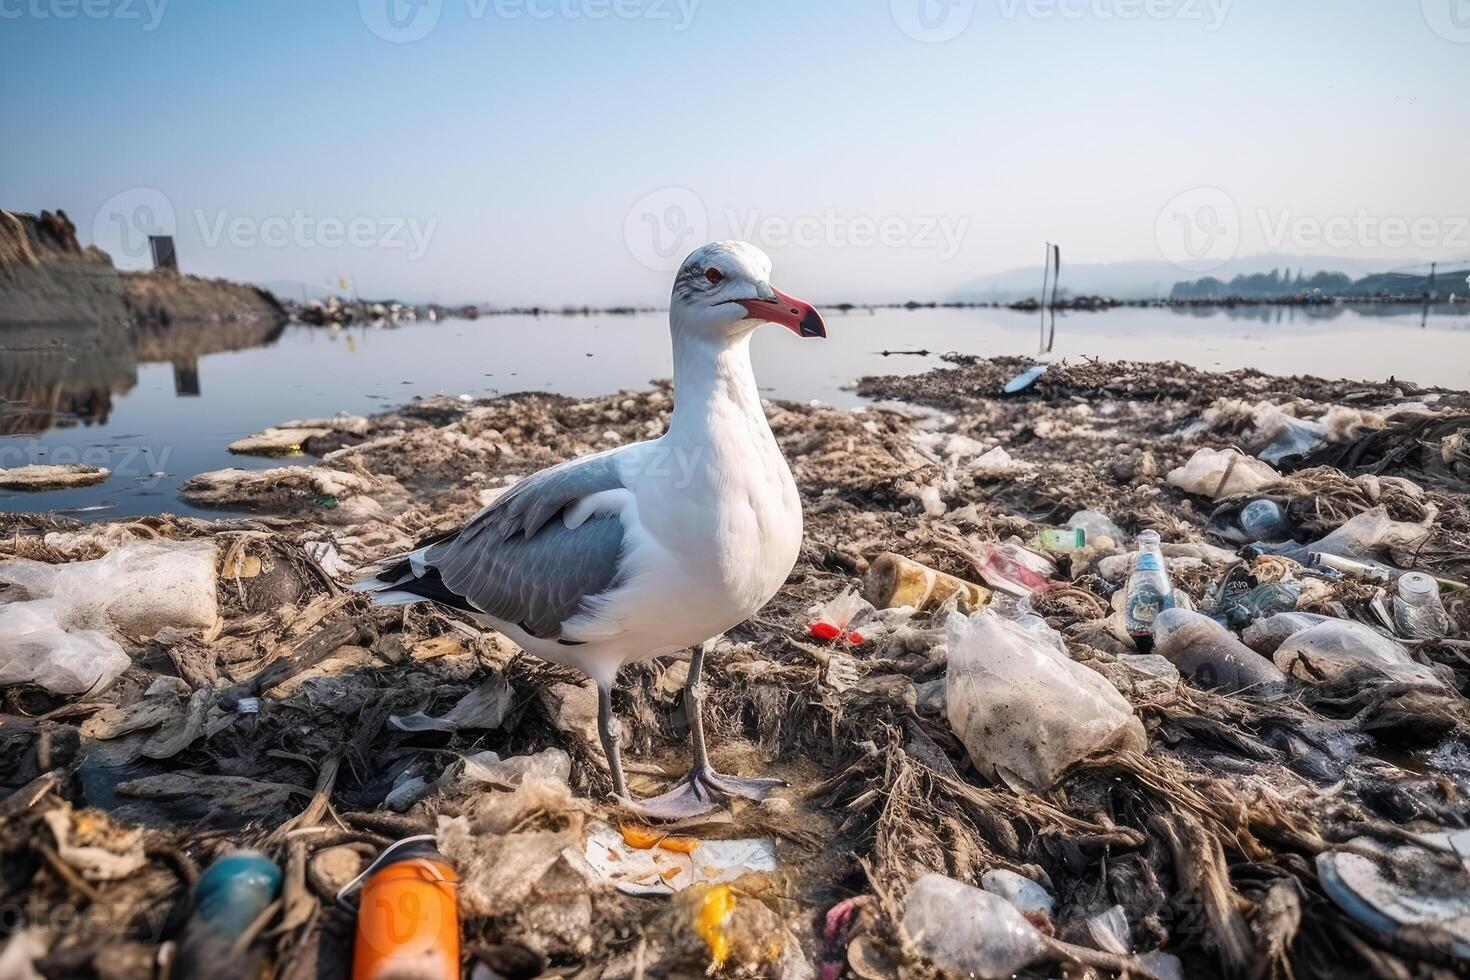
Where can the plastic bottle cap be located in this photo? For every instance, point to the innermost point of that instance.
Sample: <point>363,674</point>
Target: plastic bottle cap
<point>1417,585</point>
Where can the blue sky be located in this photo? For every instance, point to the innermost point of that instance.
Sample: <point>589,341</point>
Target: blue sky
<point>526,151</point>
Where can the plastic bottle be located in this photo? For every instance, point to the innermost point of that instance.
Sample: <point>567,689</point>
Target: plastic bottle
<point>1059,539</point>
<point>1262,520</point>
<point>408,918</point>
<point>1210,655</point>
<point>1015,571</point>
<point>969,931</point>
<point>1149,591</point>
<point>228,897</point>
<point>1417,611</point>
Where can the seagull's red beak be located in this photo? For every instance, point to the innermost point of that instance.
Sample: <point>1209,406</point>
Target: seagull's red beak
<point>800,317</point>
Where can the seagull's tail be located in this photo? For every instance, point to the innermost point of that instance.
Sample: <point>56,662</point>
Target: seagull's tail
<point>385,581</point>
<point>412,577</point>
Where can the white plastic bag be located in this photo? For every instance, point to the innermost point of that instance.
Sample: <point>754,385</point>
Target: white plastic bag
<point>1206,474</point>
<point>59,624</point>
<point>35,650</point>
<point>135,590</point>
<point>1024,710</point>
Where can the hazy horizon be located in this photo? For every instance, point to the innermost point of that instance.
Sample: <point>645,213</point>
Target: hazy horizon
<point>568,152</point>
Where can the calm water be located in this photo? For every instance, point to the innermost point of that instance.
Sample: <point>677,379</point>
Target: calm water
<point>162,408</point>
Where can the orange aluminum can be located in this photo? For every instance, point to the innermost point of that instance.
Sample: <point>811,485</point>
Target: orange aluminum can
<point>408,920</point>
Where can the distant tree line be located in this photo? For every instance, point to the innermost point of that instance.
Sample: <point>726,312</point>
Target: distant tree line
<point>1263,285</point>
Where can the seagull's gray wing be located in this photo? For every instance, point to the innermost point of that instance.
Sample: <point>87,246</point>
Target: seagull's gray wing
<point>515,562</point>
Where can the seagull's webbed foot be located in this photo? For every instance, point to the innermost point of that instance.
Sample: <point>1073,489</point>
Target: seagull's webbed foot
<point>703,791</point>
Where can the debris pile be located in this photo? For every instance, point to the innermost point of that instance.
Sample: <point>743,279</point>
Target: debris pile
<point>209,742</point>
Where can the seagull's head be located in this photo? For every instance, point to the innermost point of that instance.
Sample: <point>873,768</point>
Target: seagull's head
<point>723,290</point>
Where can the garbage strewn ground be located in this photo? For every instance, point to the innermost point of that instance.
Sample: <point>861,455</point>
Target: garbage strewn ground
<point>1277,788</point>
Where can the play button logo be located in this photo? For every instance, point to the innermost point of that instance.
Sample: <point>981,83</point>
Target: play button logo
<point>1450,19</point>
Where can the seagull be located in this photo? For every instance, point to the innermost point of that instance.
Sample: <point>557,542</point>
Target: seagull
<point>651,548</point>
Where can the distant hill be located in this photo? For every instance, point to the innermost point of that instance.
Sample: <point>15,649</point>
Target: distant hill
<point>1145,280</point>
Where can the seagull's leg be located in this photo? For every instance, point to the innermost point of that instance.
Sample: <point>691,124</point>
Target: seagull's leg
<point>703,790</point>
<point>611,733</point>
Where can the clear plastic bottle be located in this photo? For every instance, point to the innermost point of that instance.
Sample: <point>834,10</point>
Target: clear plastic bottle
<point>1149,591</point>
<point>1417,611</point>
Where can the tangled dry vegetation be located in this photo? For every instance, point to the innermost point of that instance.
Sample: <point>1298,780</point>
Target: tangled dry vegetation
<point>1207,840</point>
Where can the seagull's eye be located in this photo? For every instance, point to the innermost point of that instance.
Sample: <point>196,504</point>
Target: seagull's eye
<point>715,276</point>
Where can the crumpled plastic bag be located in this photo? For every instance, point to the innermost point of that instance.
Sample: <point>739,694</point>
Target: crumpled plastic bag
<point>35,650</point>
<point>1286,435</point>
<point>1206,474</point>
<point>1371,536</point>
<point>1023,709</point>
<point>1331,651</point>
<point>59,623</point>
<point>488,767</point>
<point>135,590</point>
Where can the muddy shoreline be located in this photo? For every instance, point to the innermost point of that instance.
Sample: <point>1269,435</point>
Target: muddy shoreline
<point>1209,840</point>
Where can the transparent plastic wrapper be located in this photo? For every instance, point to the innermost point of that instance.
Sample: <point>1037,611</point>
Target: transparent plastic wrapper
<point>1210,655</point>
<point>1023,709</point>
<point>1251,520</point>
<point>1239,597</point>
<point>1223,473</point>
<point>1025,894</point>
<point>1286,435</point>
<point>1336,649</point>
<point>1369,536</point>
<point>35,650</point>
<point>136,590</point>
<point>968,930</point>
<point>842,617</point>
<point>1265,635</point>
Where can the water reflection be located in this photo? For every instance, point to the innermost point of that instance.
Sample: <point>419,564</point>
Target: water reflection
<point>61,375</point>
